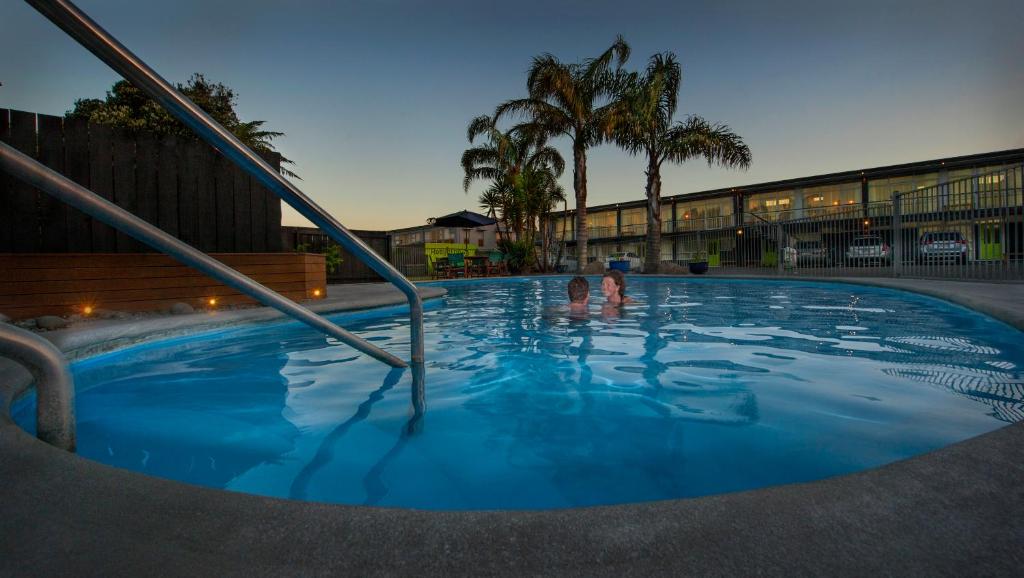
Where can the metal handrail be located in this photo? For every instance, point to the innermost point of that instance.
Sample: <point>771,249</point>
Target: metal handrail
<point>45,179</point>
<point>95,39</point>
<point>55,388</point>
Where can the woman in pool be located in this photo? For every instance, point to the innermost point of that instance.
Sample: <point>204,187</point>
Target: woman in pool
<point>613,286</point>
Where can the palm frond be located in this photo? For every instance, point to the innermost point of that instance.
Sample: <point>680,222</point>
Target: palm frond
<point>696,137</point>
<point>481,125</point>
<point>550,157</point>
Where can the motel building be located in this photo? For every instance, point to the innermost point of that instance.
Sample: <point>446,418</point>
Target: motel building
<point>977,195</point>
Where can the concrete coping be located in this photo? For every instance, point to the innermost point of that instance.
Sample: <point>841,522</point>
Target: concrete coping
<point>950,512</point>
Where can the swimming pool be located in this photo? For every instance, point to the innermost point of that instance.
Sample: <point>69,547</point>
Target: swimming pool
<point>705,386</point>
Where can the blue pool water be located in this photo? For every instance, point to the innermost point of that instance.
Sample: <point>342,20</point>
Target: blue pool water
<point>704,387</point>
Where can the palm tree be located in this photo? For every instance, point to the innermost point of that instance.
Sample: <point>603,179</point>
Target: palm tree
<point>647,127</point>
<point>520,167</point>
<point>541,194</point>
<point>492,201</point>
<point>566,99</point>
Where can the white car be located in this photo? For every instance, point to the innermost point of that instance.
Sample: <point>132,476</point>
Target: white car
<point>568,264</point>
<point>868,249</point>
<point>635,263</point>
<point>942,245</point>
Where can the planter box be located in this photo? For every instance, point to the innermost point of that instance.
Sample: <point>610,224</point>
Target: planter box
<point>35,284</point>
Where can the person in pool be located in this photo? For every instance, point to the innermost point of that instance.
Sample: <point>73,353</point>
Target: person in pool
<point>613,286</point>
<point>579,294</point>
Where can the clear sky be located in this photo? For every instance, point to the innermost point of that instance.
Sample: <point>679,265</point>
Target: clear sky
<point>375,96</point>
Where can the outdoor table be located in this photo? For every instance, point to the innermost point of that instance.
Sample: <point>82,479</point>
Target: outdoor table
<point>476,262</point>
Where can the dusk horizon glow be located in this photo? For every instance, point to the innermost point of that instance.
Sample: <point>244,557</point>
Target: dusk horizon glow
<point>375,97</point>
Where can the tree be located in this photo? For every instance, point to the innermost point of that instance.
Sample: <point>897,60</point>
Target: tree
<point>577,100</point>
<point>522,169</point>
<point>127,107</point>
<point>649,100</point>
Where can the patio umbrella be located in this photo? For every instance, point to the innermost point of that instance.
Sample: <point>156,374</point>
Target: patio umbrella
<point>462,220</point>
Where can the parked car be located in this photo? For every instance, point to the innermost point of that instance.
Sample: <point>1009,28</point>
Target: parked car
<point>635,263</point>
<point>813,253</point>
<point>868,249</point>
<point>942,245</point>
<point>568,264</point>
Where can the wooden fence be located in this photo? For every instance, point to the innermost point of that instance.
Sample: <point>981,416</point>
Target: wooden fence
<point>184,187</point>
<point>64,284</point>
<point>351,270</point>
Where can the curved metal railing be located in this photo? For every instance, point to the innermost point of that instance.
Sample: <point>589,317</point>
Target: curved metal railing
<point>94,38</point>
<point>55,388</point>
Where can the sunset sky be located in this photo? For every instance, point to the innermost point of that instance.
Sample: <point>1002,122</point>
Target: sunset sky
<point>375,96</point>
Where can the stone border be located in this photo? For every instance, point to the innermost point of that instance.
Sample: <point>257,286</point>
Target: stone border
<point>952,511</point>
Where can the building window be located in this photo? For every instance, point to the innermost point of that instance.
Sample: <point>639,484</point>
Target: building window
<point>634,221</point>
<point>601,224</point>
<point>773,206</point>
<point>704,215</point>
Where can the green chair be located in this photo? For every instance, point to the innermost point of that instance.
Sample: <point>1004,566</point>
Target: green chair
<point>495,263</point>
<point>456,265</point>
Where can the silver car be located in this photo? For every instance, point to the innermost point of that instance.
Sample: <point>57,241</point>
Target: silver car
<point>942,245</point>
<point>868,249</point>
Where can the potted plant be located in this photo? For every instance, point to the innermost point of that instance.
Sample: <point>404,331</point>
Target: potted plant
<point>699,264</point>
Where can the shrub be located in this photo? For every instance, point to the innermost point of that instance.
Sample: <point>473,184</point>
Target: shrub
<point>518,254</point>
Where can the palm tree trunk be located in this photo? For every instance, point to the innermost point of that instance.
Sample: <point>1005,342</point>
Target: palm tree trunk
<point>652,261</point>
<point>543,244</point>
<point>579,184</point>
<point>561,245</point>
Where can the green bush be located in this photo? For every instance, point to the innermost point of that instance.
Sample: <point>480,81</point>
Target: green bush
<point>332,258</point>
<point>518,254</point>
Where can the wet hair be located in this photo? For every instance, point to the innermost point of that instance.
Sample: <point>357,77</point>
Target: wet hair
<point>578,289</point>
<point>620,281</point>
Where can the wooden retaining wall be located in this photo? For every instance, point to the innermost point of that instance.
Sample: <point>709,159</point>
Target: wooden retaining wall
<point>64,283</point>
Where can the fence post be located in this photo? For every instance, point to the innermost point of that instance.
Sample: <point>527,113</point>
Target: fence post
<point>779,252</point>
<point>897,236</point>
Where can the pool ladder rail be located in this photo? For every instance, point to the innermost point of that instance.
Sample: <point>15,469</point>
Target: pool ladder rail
<point>89,34</point>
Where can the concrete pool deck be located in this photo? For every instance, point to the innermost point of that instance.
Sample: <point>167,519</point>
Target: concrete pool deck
<point>955,511</point>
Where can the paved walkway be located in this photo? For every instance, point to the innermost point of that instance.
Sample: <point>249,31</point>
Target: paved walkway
<point>956,511</point>
<point>1005,301</point>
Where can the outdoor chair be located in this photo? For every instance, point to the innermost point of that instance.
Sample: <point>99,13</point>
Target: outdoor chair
<point>456,265</point>
<point>495,263</point>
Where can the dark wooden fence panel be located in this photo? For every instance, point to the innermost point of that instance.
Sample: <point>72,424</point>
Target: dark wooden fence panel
<point>224,179</point>
<point>53,225</point>
<point>124,184</point>
<point>167,185</point>
<point>206,197</point>
<point>147,155</point>
<point>258,211</point>
<point>6,199</point>
<point>188,203</point>
<point>25,228</point>
<point>101,180</point>
<point>184,187</point>
<point>273,219</point>
<point>243,218</point>
<point>76,168</point>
